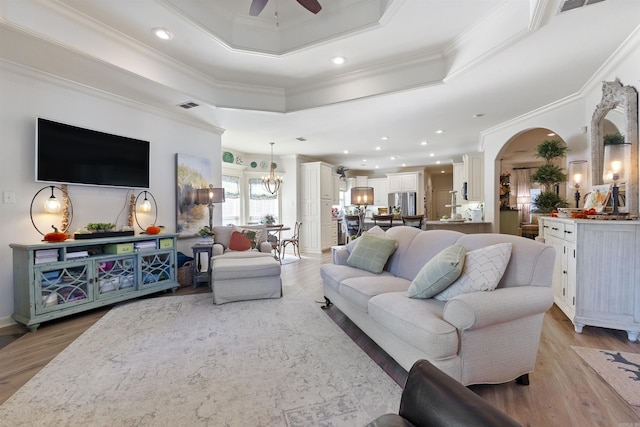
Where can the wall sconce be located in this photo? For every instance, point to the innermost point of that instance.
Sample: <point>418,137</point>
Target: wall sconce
<point>577,177</point>
<point>145,207</point>
<point>209,196</point>
<point>52,205</point>
<point>616,168</point>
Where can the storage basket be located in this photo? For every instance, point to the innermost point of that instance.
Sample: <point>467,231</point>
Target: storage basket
<point>185,274</point>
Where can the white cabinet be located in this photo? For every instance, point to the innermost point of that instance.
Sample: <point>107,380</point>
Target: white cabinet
<point>317,194</point>
<point>596,279</point>
<point>458,178</point>
<point>380,192</point>
<point>474,176</point>
<point>362,181</point>
<point>403,182</point>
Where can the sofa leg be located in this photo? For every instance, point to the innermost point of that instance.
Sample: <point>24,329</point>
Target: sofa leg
<point>327,303</point>
<point>523,379</point>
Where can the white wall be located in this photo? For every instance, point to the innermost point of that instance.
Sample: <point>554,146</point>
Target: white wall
<point>568,118</point>
<point>26,96</point>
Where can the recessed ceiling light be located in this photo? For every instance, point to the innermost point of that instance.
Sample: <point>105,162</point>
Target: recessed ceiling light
<point>478,115</point>
<point>163,33</point>
<point>301,139</point>
<point>551,134</point>
<point>338,60</point>
<point>364,160</point>
<point>404,164</point>
<point>377,167</point>
<point>440,131</point>
<point>438,162</point>
<point>384,138</point>
<point>424,143</point>
<point>378,148</point>
<point>346,151</point>
<point>441,171</point>
<point>432,155</point>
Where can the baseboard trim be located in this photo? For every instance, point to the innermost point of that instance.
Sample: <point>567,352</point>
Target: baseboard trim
<point>6,321</point>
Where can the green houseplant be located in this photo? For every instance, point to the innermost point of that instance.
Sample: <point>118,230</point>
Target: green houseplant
<point>548,175</point>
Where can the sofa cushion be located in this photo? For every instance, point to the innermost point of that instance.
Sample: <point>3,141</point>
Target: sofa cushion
<point>371,253</point>
<point>438,273</point>
<point>360,290</point>
<point>418,322</point>
<point>334,274</point>
<point>482,271</point>
<point>222,235</point>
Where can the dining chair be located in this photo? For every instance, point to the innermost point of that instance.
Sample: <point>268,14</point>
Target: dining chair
<point>354,228</point>
<point>293,240</point>
<point>274,237</point>
<point>383,221</point>
<point>413,220</point>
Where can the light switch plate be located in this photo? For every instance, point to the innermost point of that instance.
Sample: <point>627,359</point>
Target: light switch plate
<point>9,197</point>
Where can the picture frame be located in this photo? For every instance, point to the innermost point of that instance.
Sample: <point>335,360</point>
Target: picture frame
<point>598,197</point>
<point>192,173</point>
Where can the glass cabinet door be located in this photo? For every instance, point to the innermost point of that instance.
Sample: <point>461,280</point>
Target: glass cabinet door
<point>65,284</point>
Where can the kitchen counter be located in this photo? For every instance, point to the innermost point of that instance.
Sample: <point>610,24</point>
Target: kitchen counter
<point>468,227</point>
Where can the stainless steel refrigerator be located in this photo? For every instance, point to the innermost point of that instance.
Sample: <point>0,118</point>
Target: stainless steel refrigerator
<point>405,201</point>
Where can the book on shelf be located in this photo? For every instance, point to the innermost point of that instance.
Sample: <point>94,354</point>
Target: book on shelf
<point>145,245</point>
<point>46,253</point>
<point>44,259</point>
<point>77,254</point>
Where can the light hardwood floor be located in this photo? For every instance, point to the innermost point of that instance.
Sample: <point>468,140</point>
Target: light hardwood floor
<point>564,391</point>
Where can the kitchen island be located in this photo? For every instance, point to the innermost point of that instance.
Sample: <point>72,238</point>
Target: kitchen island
<point>467,227</point>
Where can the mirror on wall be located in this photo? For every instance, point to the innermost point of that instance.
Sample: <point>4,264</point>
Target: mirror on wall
<point>617,113</point>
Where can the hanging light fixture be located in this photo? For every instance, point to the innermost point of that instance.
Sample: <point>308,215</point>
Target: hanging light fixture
<point>272,182</point>
<point>52,205</point>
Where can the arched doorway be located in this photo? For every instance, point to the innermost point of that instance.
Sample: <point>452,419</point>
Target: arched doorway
<point>517,161</point>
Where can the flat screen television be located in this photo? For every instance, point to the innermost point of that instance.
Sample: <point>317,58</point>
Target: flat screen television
<point>72,155</point>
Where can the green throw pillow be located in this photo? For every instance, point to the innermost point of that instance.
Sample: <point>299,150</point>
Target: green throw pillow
<point>438,273</point>
<point>371,253</point>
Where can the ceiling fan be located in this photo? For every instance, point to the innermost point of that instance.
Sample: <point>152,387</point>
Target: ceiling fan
<point>340,170</point>
<point>257,5</point>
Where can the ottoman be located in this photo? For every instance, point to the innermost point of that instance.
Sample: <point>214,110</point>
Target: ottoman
<point>238,279</point>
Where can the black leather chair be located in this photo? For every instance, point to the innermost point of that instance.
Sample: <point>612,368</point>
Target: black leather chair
<point>432,398</point>
<point>383,221</point>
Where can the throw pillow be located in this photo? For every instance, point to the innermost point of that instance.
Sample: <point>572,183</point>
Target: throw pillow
<point>376,231</point>
<point>438,273</point>
<point>483,269</point>
<point>239,242</point>
<point>371,253</point>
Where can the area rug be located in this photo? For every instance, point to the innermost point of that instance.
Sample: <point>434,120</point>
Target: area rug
<point>181,360</point>
<point>620,370</point>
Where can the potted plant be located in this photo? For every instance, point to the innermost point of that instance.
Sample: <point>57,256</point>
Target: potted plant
<point>613,138</point>
<point>549,175</point>
<point>268,219</point>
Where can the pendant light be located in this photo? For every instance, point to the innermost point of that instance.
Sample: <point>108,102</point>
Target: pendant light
<point>272,182</point>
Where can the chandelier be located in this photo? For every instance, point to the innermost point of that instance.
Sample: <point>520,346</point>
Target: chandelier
<point>272,182</point>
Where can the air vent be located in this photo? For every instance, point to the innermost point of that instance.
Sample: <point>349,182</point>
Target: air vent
<point>188,104</point>
<point>575,4</point>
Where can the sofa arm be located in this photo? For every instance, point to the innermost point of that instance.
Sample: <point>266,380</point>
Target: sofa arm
<point>480,309</point>
<point>217,249</point>
<point>432,398</point>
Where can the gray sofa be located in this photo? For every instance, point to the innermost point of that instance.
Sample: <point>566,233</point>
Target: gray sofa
<point>476,338</point>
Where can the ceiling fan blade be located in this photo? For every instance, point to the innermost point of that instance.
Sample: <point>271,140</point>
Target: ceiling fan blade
<point>257,6</point>
<point>311,5</point>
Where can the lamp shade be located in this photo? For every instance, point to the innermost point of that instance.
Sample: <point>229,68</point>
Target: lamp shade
<point>616,165</point>
<point>204,196</point>
<point>362,195</point>
<point>578,170</point>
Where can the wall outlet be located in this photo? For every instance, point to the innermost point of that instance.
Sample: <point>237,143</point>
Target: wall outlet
<point>9,197</point>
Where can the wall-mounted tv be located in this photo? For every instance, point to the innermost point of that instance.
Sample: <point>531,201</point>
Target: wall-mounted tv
<point>72,155</point>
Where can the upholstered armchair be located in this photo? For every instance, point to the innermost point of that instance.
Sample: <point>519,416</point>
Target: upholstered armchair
<point>222,244</point>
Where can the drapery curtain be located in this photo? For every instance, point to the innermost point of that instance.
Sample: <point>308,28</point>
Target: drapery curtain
<point>523,195</point>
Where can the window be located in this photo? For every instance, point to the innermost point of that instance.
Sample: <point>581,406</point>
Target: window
<point>231,208</point>
<point>261,202</point>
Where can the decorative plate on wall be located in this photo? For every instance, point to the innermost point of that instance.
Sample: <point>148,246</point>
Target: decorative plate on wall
<point>254,165</point>
<point>227,157</point>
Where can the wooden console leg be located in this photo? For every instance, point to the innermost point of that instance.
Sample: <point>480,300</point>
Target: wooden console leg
<point>327,304</point>
<point>523,379</point>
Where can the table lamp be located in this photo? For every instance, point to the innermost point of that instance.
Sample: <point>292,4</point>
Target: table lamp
<point>577,176</point>
<point>616,169</point>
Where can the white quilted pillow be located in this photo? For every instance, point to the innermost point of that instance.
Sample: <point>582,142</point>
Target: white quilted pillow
<point>482,271</point>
